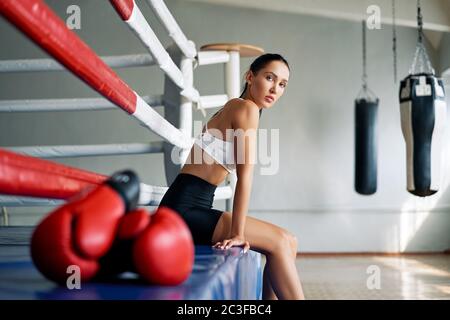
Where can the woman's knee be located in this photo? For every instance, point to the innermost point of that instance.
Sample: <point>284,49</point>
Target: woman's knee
<point>294,244</point>
<point>286,242</point>
<point>266,238</point>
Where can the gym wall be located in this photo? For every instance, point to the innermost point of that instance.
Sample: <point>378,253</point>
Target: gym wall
<point>312,193</point>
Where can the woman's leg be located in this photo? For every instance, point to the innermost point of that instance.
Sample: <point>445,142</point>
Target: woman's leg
<point>267,290</point>
<point>280,249</point>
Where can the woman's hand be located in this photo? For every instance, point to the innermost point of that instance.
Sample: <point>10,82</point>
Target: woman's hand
<point>236,241</point>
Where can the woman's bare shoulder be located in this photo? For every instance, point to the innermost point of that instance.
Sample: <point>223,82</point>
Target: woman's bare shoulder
<point>242,103</point>
<point>241,107</point>
<point>242,111</point>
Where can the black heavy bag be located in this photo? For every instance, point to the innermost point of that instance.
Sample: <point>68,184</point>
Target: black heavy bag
<point>423,116</point>
<point>366,146</point>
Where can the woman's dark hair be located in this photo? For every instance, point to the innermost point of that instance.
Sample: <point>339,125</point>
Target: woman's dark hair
<point>259,63</point>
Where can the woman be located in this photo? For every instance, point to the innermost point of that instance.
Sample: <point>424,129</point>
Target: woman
<point>192,192</point>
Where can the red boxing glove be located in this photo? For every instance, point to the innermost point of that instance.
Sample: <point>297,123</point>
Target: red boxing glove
<point>164,252</point>
<point>83,230</point>
<point>161,248</point>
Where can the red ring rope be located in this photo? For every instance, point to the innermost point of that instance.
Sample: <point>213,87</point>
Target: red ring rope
<point>28,176</point>
<point>124,8</point>
<point>45,28</point>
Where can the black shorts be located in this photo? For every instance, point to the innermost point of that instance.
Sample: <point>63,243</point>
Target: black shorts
<point>192,197</point>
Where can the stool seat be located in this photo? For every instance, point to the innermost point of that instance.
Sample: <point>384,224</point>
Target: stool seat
<point>245,50</point>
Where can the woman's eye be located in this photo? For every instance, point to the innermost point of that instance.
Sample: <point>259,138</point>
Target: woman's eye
<point>269,78</point>
<point>283,85</point>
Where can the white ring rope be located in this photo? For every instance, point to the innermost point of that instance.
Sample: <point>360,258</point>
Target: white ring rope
<point>142,29</point>
<point>159,125</point>
<point>84,104</point>
<point>75,104</point>
<point>33,65</point>
<point>46,152</point>
<point>186,46</point>
<point>150,196</point>
<point>212,57</point>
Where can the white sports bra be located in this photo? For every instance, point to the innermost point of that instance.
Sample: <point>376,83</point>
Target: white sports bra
<point>220,150</point>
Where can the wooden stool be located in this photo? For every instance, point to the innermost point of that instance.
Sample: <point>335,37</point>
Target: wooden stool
<point>245,50</point>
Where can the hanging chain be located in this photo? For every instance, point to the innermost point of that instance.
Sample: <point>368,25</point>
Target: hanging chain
<point>421,62</point>
<point>394,41</point>
<point>365,92</point>
<point>364,76</point>
<point>422,50</point>
<point>419,21</point>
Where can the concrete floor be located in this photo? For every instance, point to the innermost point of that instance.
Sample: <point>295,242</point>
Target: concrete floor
<point>423,276</point>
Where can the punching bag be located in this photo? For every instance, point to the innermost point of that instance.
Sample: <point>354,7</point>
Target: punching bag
<point>366,110</point>
<point>366,146</point>
<point>423,116</point>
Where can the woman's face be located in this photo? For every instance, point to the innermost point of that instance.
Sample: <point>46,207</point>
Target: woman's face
<point>268,85</point>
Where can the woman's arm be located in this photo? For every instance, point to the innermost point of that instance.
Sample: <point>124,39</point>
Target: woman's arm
<point>245,124</point>
<point>240,206</point>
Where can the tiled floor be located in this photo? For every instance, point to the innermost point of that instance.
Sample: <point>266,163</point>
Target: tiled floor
<point>375,277</point>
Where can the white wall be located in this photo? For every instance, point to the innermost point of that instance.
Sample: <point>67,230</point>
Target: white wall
<point>312,194</point>
<point>444,53</point>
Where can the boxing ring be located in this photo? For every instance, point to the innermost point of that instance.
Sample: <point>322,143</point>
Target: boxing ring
<point>28,179</point>
<point>217,275</point>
